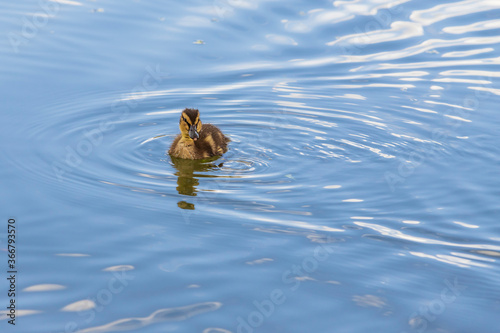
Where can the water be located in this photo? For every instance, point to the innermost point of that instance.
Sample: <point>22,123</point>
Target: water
<point>360,189</point>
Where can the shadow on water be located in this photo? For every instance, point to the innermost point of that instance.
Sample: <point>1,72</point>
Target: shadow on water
<point>187,179</point>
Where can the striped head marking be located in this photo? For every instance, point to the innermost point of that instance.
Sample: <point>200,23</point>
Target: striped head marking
<point>190,124</point>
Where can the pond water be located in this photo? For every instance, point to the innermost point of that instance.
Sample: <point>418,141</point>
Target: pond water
<point>360,191</point>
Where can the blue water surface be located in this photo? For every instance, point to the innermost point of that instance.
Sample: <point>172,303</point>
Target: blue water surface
<point>360,191</point>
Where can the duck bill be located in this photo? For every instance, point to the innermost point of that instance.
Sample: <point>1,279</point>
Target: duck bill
<point>193,133</point>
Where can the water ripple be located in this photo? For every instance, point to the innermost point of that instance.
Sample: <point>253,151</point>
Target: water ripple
<point>168,314</point>
<point>373,121</point>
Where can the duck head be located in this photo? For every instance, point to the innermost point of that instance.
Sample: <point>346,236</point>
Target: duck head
<point>190,124</point>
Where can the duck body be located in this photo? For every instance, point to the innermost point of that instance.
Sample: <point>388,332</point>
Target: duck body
<point>197,140</point>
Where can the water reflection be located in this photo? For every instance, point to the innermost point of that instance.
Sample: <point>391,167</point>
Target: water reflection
<point>328,110</point>
<point>187,179</point>
<point>167,314</point>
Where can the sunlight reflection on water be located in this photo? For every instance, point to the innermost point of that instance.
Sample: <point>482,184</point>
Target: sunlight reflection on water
<point>365,125</point>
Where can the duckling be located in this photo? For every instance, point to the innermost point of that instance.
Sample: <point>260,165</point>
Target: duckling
<point>197,140</point>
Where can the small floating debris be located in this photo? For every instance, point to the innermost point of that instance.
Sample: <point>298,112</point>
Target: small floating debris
<point>199,42</point>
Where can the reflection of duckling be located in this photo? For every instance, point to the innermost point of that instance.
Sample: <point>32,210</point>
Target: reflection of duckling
<point>197,141</point>
<point>187,179</point>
